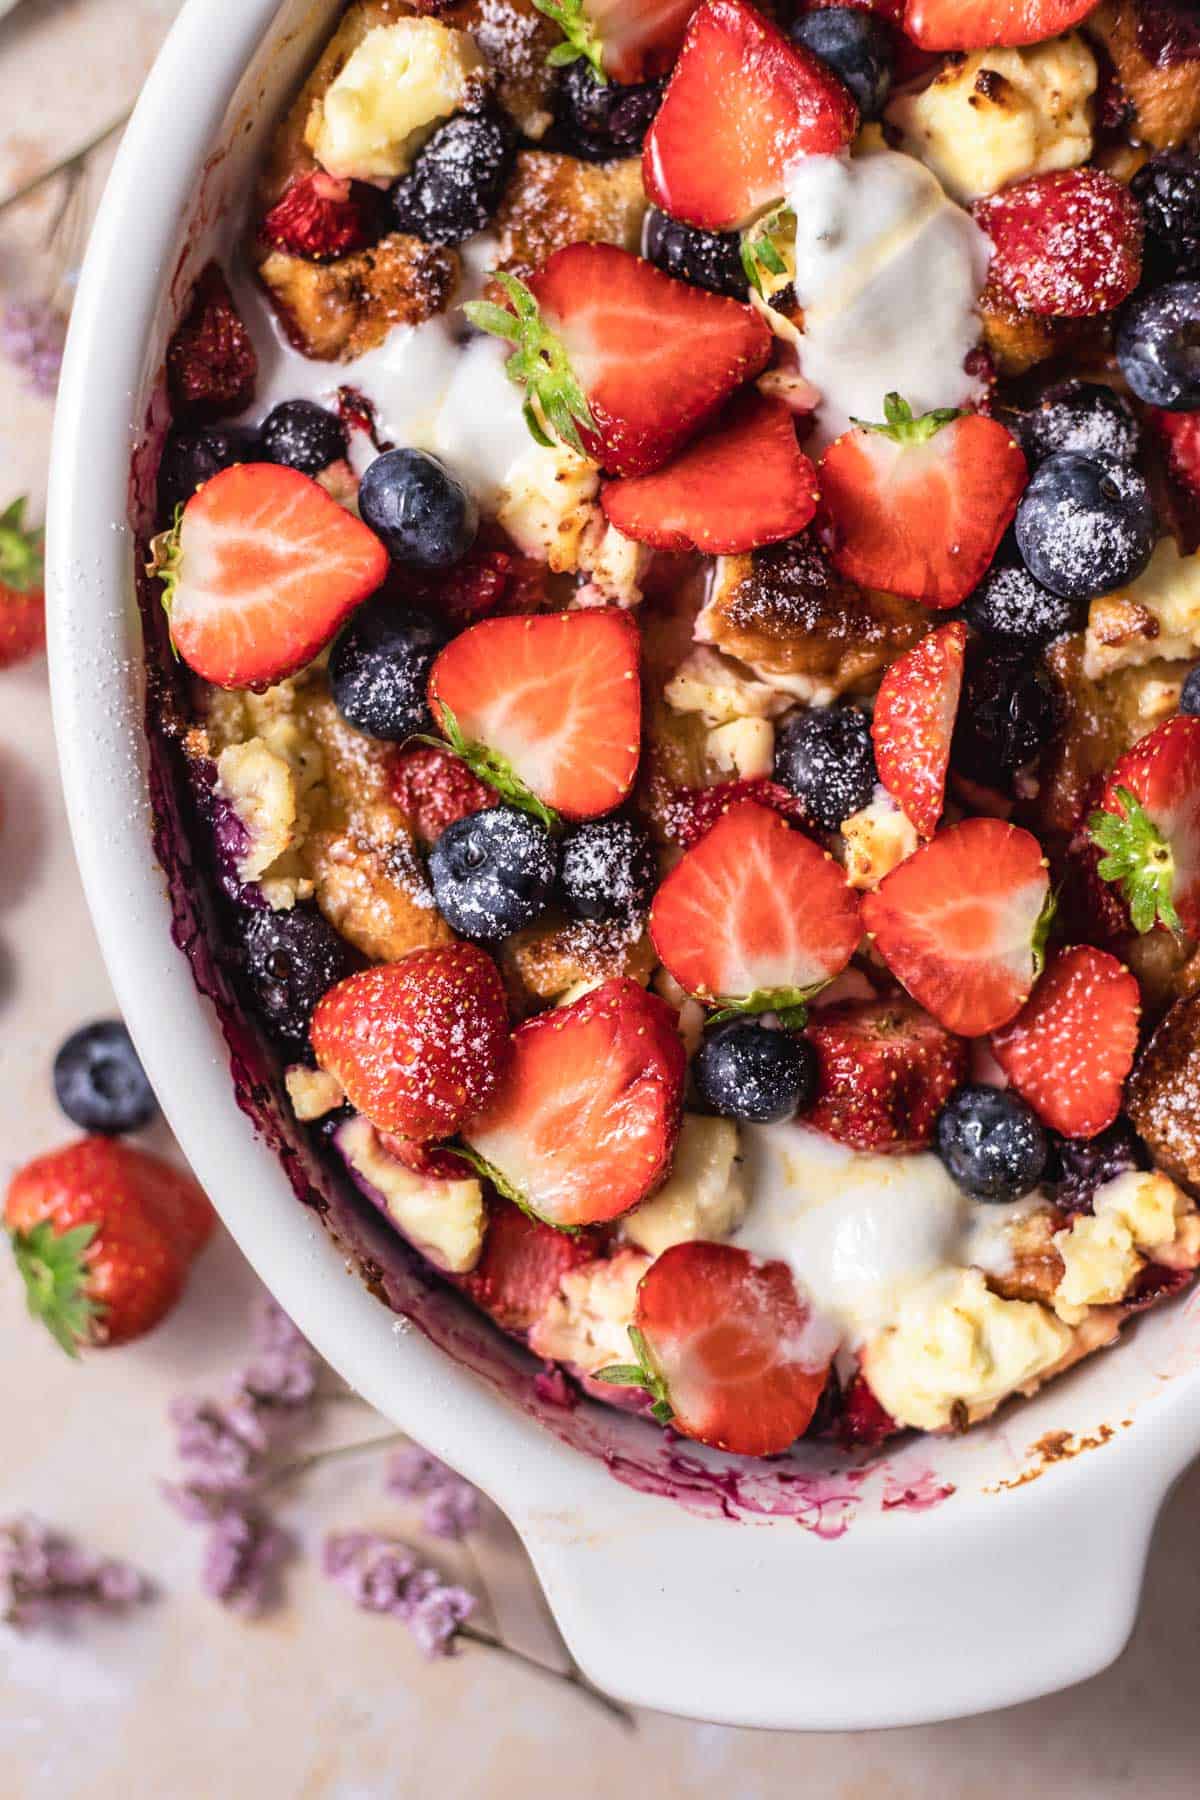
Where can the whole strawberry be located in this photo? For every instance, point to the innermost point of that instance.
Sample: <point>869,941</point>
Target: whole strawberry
<point>885,1070</point>
<point>22,602</point>
<point>417,1044</point>
<point>104,1235</point>
<point>1148,827</point>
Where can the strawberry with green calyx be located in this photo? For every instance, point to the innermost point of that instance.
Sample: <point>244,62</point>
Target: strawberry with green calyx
<point>627,40</point>
<point>103,1235</point>
<point>22,600</point>
<point>917,506</point>
<point>555,404</point>
<point>641,1374</point>
<point>489,767</point>
<point>1148,827</point>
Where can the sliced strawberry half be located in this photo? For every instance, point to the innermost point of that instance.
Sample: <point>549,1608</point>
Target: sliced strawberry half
<point>1072,1044</point>
<point>917,507</point>
<point>913,723</point>
<point>745,483</point>
<point>522,1264</point>
<point>756,915</point>
<point>584,1122</point>
<point>742,105</point>
<point>629,40</point>
<point>259,573</point>
<point>620,360</point>
<point>1148,826</point>
<point>727,1348</point>
<point>1066,245</point>
<point>989,24</point>
<point>960,923</point>
<point>547,705</point>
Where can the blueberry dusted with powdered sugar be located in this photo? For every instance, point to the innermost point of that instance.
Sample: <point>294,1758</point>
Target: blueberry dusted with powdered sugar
<point>825,757</point>
<point>302,435</point>
<point>1085,525</point>
<point>1010,605</point>
<point>747,1070</point>
<point>292,959</point>
<point>1084,416</point>
<point>1168,188</point>
<point>992,1143</point>
<point>609,870</point>
<point>493,872</point>
<point>379,666</point>
<point>455,183</point>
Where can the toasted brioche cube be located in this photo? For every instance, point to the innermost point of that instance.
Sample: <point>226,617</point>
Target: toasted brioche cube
<point>1101,719</point>
<point>1018,341</point>
<point>290,155</point>
<point>1163,1092</point>
<point>552,201</point>
<point>335,311</point>
<point>549,959</point>
<point>517,40</point>
<point>1164,94</point>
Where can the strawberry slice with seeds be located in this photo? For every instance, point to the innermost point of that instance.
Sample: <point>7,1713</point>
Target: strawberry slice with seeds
<point>690,812</point>
<point>619,360</point>
<point>521,1265</point>
<point>259,572</point>
<point>913,723</point>
<point>546,707</point>
<point>727,1348</point>
<point>1066,245</point>
<point>961,923</point>
<point>744,484</point>
<point>319,217</point>
<point>755,916</point>
<point>742,105</point>
<point>989,24</point>
<point>885,1070</point>
<point>1072,1044</point>
<point>583,1123</point>
<point>629,40</point>
<point>1148,827</point>
<point>418,1044</point>
<point>917,507</point>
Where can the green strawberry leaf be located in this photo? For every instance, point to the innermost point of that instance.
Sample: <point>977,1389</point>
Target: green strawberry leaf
<point>504,1187</point>
<point>1041,932</point>
<point>554,401</point>
<point>54,1268</point>
<point>165,550</point>
<point>580,37</point>
<point>1139,859</point>
<point>767,250</point>
<point>491,767</point>
<point>641,1374</point>
<point>791,1004</point>
<point>21,550</point>
<point>900,425</point>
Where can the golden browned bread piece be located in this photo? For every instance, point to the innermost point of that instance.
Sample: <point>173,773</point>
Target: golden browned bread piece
<point>516,40</point>
<point>1018,340</point>
<point>1037,1267</point>
<point>1163,1093</point>
<point>546,960</point>
<point>553,200</point>
<point>334,311</point>
<point>786,612</point>
<point>1162,89</point>
<point>1101,719</point>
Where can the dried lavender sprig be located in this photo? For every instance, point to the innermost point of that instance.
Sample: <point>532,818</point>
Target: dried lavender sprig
<point>43,1573</point>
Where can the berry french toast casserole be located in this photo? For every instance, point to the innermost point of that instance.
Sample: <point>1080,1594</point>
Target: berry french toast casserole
<point>679,535</point>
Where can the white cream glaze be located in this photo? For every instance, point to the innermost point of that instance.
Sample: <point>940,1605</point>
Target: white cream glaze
<point>888,273</point>
<point>859,1231</point>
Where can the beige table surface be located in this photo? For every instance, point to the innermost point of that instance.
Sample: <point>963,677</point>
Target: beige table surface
<point>189,1703</point>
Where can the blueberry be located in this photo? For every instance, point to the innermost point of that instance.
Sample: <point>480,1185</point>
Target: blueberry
<point>602,120</point>
<point>192,455</point>
<point>455,183</point>
<point>825,757</point>
<point>708,259</point>
<point>1010,605</point>
<point>1189,699</point>
<point>1077,415</point>
<point>856,46</point>
<point>1168,188</point>
<point>746,1070</point>
<point>302,435</point>
<point>1158,346</point>
<point>493,872</point>
<point>992,1143</point>
<point>99,1082</point>
<point>424,515</point>
<point>1085,525</point>
<point>291,959</point>
<point>1077,1167</point>
<point>1008,712</point>
<point>609,870</point>
<point>379,666</point>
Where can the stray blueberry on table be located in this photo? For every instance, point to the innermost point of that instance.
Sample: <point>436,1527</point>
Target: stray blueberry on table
<point>708,259</point>
<point>857,47</point>
<point>302,435</point>
<point>291,959</point>
<point>455,183</point>
<point>1168,189</point>
<point>1085,525</point>
<point>747,1070</point>
<point>424,514</point>
<point>193,455</point>
<point>1011,606</point>
<point>493,872</point>
<point>600,121</point>
<point>1158,346</point>
<point>1084,416</point>
<point>609,870</point>
<point>825,757</point>
<point>1007,713</point>
<point>992,1143</point>
<point>379,666</point>
<point>99,1081</point>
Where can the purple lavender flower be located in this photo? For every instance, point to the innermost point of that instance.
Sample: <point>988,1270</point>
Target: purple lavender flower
<point>242,1559</point>
<point>32,335</point>
<point>219,1444</point>
<point>284,1370</point>
<point>44,1575</point>
<point>382,1575</point>
<point>451,1504</point>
